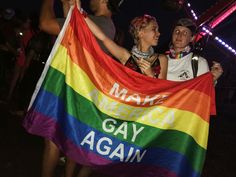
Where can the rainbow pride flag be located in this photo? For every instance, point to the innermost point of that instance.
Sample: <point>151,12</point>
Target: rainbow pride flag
<point>117,121</point>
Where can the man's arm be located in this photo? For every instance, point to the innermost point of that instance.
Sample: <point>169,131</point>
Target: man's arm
<point>66,4</point>
<point>47,20</point>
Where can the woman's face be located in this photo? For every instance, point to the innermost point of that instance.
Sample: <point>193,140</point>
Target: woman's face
<point>150,34</point>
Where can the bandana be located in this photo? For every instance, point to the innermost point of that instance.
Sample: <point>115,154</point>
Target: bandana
<point>179,55</point>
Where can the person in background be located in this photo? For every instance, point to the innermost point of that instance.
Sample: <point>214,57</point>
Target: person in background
<point>7,57</point>
<point>102,16</point>
<point>103,10</point>
<point>37,52</point>
<point>23,33</point>
<point>180,54</point>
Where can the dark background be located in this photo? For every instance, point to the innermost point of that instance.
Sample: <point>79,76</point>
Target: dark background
<point>21,153</point>
<point>131,8</point>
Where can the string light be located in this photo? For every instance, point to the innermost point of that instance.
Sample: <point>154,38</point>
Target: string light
<point>208,31</point>
<point>192,11</point>
<point>220,41</point>
<point>225,45</point>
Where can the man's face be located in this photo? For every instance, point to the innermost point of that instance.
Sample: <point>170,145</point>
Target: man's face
<point>181,37</point>
<point>94,5</point>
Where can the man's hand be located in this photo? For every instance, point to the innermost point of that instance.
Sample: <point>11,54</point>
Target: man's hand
<point>216,70</point>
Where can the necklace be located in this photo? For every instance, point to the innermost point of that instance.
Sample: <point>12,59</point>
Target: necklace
<point>139,54</point>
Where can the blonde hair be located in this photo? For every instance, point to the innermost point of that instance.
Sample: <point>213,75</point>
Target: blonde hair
<point>139,23</point>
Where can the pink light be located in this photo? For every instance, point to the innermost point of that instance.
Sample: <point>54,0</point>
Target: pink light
<point>223,16</point>
<point>218,19</point>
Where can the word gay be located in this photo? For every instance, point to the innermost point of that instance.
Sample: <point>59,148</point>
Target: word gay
<point>112,147</point>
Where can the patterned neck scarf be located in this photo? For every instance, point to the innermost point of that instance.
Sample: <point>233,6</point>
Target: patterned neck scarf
<point>139,54</point>
<point>173,55</point>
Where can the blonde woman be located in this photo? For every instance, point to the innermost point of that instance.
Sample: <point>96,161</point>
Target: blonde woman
<point>141,58</point>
